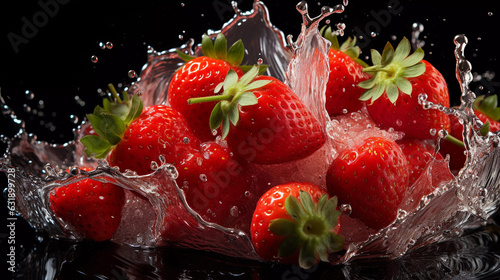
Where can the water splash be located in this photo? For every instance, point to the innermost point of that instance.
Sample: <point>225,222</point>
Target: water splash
<point>155,202</point>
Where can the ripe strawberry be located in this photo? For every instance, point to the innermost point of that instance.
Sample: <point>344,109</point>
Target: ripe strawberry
<point>91,207</point>
<point>372,177</point>
<point>346,72</point>
<point>488,112</point>
<point>394,89</point>
<point>269,123</point>
<point>418,153</point>
<point>213,182</point>
<point>159,130</point>
<point>216,185</point>
<point>198,78</point>
<point>296,223</point>
<point>131,137</point>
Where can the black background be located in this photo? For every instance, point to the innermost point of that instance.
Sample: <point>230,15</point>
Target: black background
<point>54,59</point>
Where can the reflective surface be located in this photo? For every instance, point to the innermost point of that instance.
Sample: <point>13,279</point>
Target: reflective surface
<point>473,256</point>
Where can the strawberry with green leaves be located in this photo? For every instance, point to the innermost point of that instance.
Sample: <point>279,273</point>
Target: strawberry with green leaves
<point>372,177</point>
<point>296,223</point>
<point>263,119</point>
<point>198,78</point>
<point>398,79</point>
<point>131,137</point>
<point>346,72</point>
<point>91,207</point>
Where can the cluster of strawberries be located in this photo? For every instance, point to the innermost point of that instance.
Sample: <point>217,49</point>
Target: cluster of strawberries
<point>221,117</point>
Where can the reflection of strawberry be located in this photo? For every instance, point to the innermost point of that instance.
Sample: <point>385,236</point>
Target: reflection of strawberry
<point>198,78</point>
<point>91,207</point>
<point>488,112</point>
<point>372,177</point>
<point>346,72</point>
<point>296,223</point>
<point>394,89</point>
<point>268,122</point>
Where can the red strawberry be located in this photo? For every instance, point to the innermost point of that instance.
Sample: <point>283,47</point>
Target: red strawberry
<point>346,72</point>
<point>199,77</point>
<point>269,124</point>
<point>213,182</point>
<point>296,223</point>
<point>488,112</point>
<point>418,152</point>
<point>91,207</point>
<point>216,185</point>
<point>394,89</point>
<point>159,130</point>
<point>372,177</point>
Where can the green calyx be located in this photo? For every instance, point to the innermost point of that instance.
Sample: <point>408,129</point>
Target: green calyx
<point>348,47</point>
<point>488,106</point>
<point>311,230</point>
<point>237,92</point>
<point>391,70</point>
<point>110,121</point>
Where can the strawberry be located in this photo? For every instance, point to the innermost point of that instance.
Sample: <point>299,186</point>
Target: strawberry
<point>372,177</point>
<point>131,137</point>
<point>346,72</point>
<point>215,186</point>
<point>198,78</point>
<point>269,124</point>
<point>213,182</point>
<point>296,223</point>
<point>92,208</point>
<point>418,153</point>
<point>394,89</point>
<point>487,111</point>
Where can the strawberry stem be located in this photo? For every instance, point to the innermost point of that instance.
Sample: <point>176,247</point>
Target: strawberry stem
<point>454,141</point>
<point>209,99</point>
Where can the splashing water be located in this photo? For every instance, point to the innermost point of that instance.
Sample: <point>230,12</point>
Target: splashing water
<point>155,202</point>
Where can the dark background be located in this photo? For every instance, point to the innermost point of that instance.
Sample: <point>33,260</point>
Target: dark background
<point>53,58</point>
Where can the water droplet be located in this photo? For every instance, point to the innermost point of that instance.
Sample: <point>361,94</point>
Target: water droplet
<point>373,34</point>
<point>346,209</point>
<point>490,14</point>
<point>203,177</point>
<point>102,46</point>
<point>433,131</point>
<point>94,59</point>
<point>234,211</point>
<point>185,140</point>
<point>154,165</point>
<point>248,194</point>
<point>74,119</point>
<point>109,45</point>
<point>181,37</point>
<point>442,133</point>
<point>29,94</point>
<point>132,74</point>
<point>182,4</point>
